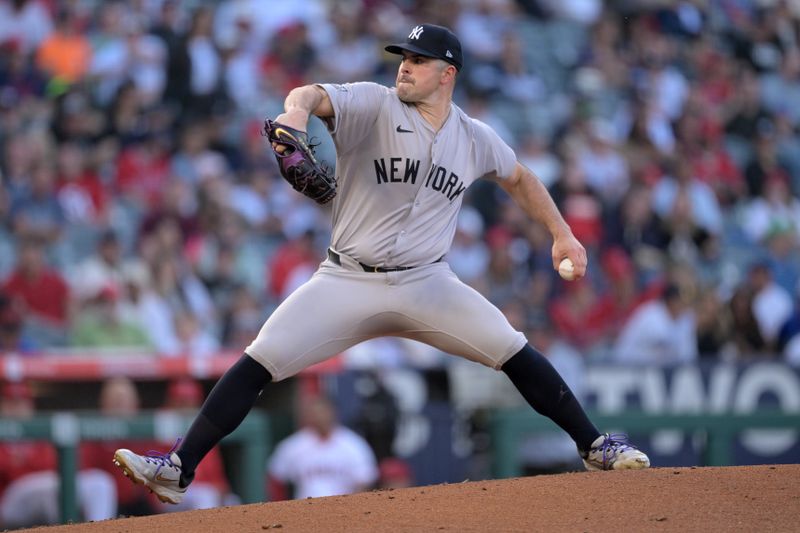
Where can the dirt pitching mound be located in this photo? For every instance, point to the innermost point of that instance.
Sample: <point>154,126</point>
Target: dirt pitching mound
<point>749,498</point>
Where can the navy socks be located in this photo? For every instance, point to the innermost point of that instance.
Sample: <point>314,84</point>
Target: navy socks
<point>226,406</point>
<point>238,389</point>
<point>544,389</point>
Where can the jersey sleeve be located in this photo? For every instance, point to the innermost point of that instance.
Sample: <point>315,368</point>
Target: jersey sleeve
<point>356,107</point>
<point>495,158</point>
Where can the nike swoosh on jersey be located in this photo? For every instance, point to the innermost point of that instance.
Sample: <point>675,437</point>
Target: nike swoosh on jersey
<point>401,130</point>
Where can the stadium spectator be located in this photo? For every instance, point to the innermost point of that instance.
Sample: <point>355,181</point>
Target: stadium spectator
<point>192,339</point>
<point>774,209</point>
<point>686,202</point>
<point>604,168</point>
<point>24,24</point>
<point>772,304</point>
<point>102,324</point>
<point>747,115</point>
<point>119,398</point>
<point>583,316</point>
<point>289,59</point>
<point>765,164</point>
<point>780,91</point>
<point>206,72</point>
<point>714,323</point>
<point>637,229</point>
<point>350,41</point>
<point>581,204</point>
<point>112,56</point>
<point>21,80</point>
<point>35,211</point>
<point>29,480</point>
<point>42,294</point>
<point>65,54</point>
<point>105,268</point>
<point>12,338</point>
<point>747,336</point>
<point>243,319</point>
<point>143,168</point>
<point>536,155</point>
<point>292,263</point>
<point>81,193</point>
<point>661,332</point>
<point>169,28</point>
<point>713,165</point>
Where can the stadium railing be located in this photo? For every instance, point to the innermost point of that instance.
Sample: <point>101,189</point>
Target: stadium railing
<point>67,430</point>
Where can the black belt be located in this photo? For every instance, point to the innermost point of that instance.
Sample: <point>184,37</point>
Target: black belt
<point>337,259</point>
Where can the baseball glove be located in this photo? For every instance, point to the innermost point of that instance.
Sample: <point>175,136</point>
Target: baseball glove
<point>297,163</point>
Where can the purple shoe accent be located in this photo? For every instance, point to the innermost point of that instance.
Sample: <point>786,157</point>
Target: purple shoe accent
<point>163,459</point>
<point>613,444</point>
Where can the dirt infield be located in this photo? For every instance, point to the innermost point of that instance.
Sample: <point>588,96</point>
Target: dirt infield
<point>751,498</point>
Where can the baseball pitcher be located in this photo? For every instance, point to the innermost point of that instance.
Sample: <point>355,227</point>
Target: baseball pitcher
<point>405,157</point>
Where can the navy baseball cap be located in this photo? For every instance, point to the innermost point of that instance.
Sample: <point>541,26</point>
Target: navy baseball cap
<point>431,40</point>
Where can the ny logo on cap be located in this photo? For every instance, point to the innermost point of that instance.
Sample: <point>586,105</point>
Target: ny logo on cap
<point>416,32</point>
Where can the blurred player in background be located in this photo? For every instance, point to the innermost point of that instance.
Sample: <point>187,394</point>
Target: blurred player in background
<point>323,458</point>
<point>119,398</point>
<point>29,481</point>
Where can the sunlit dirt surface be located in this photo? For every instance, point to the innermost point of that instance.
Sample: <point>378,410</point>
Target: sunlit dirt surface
<point>749,498</point>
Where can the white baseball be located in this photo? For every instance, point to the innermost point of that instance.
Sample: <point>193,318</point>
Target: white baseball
<point>566,269</point>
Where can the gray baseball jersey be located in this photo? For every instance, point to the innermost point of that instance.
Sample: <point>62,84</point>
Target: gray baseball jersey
<point>401,185</point>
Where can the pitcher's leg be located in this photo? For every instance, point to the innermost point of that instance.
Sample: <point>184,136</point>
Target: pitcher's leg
<point>446,313</point>
<point>226,406</point>
<point>299,323</point>
<point>541,385</point>
<point>461,321</point>
<point>545,390</point>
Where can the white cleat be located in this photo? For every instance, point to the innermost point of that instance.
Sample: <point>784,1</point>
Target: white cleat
<point>612,451</point>
<point>161,473</point>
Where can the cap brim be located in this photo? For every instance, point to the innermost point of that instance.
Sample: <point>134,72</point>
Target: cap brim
<point>398,49</point>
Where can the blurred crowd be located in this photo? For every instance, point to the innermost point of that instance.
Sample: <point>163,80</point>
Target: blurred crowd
<point>141,210</point>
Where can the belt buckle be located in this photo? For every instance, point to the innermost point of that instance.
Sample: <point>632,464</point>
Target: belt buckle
<point>375,270</point>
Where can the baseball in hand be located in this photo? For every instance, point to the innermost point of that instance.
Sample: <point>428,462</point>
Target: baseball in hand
<point>566,269</point>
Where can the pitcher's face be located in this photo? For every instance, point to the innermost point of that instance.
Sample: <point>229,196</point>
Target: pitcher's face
<point>418,77</point>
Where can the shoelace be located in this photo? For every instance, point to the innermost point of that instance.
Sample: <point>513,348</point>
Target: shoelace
<point>162,459</point>
<point>613,444</point>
